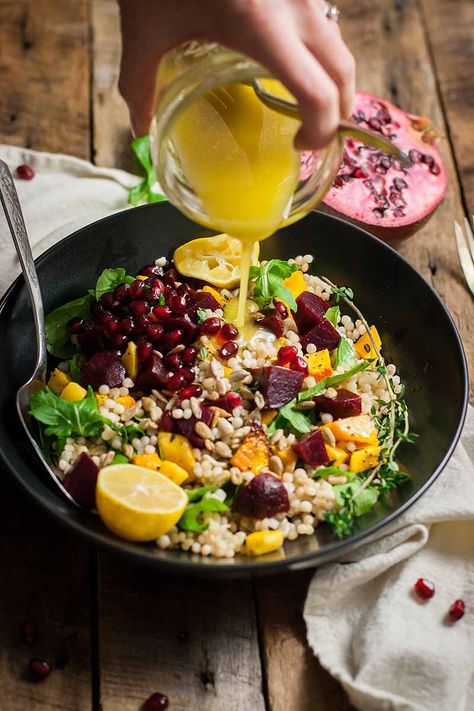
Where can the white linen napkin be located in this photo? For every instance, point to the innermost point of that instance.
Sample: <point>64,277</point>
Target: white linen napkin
<point>387,648</point>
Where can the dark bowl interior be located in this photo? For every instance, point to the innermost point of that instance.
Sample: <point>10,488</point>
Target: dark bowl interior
<point>417,333</point>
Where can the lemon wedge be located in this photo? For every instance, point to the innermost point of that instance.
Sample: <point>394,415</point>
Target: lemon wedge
<point>215,260</point>
<point>137,503</point>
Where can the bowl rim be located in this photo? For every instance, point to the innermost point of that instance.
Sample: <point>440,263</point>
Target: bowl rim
<point>142,555</point>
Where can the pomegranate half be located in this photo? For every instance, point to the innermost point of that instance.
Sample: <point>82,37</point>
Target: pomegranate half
<point>372,189</point>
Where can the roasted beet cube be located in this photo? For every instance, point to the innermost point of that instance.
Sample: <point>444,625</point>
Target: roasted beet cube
<point>103,368</point>
<point>273,322</point>
<point>81,481</point>
<point>202,300</point>
<point>311,448</point>
<point>91,339</point>
<point>152,374</point>
<point>345,404</point>
<point>324,335</point>
<point>311,310</point>
<point>186,427</point>
<point>264,495</point>
<point>279,385</point>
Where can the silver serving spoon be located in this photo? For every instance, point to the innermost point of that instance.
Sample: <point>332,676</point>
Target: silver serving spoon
<point>16,224</point>
<point>346,128</point>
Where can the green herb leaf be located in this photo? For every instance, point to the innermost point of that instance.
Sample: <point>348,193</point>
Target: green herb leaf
<point>342,292</point>
<point>288,417</point>
<point>67,419</point>
<point>269,280</point>
<point>330,381</point>
<point>75,367</point>
<point>203,352</point>
<point>119,458</point>
<point>192,519</point>
<point>340,522</point>
<point>109,279</point>
<point>162,300</point>
<point>324,472</point>
<point>345,352</point>
<point>201,314</point>
<point>58,336</point>
<point>332,315</point>
<point>363,502</point>
<point>147,189</point>
<point>198,493</point>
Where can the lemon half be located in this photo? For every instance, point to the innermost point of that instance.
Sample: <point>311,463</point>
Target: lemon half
<point>215,260</point>
<point>136,503</point>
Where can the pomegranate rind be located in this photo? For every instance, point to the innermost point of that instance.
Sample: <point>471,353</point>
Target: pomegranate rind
<point>367,195</point>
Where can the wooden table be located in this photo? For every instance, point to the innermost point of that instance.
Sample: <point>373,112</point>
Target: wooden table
<point>119,633</point>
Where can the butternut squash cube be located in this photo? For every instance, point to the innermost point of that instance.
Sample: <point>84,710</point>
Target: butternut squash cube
<point>58,381</point>
<point>261,542</point>
<point>363,346</point>
<point>359,429</point>
<point>150,461</point>
<point>177,448</point>
<point>127,401</point>
<point>319,364</point>
<point>288,458</point>
<point>253,455</point>
<point>296,283</point>
<point>73,392</point>
<point>130,360</point>
<point>337,455</point>
<point>173,471</point>
<point>364,458</point>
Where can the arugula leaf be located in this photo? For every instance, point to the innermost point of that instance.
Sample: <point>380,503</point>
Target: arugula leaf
<point>362,503</point>
<point>147,188</point>
<point>75,367</point>
<point>119,458</point>
<point>67,419</point>
<point>289,417</point>
<point>109,279</point>
<point>332,315</point>
<point>324,472</point>
<point>197,494</point>
<point>345,352</point>
<point>269,280</point>
<point>201,314</point>
<point>191,520</point>
<point>58,336</point>
<point>330,381</point>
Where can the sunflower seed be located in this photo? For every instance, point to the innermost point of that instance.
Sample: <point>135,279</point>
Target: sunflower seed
<point>203,431</point>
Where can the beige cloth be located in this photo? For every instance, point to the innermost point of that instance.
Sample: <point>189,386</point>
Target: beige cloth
<point>389,650</point>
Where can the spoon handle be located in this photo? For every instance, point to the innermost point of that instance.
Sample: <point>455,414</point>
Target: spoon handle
<point>16,224</point>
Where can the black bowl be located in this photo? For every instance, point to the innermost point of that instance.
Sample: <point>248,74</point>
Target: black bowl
<point>417,333</point>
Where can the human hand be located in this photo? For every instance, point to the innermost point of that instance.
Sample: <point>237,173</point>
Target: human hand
<point>292,38</point>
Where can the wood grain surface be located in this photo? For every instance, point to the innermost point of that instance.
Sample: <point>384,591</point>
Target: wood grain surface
<point>121,633</point>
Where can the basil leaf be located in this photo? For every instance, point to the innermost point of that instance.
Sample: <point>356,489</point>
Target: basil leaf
<point>58,336</point>
<point>269,280</point>
<point>288,417</point>
<point>67,419</point>
<point>330,381</point>
<point>332,315</point>
<point>192,519</point>
<point>147,189</point>
<point>361,503</point>
<point>345,352</point>
<point>75,367</point>
<point>109,279</point>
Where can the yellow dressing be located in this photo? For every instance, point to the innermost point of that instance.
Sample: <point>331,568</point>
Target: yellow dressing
<point>238,157</point>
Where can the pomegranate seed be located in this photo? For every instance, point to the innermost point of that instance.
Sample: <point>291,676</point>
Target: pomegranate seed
<point>150,270</point>
<point>173,362</point>
<point>156,702</point>
<point>122,292</point>
<point>29,631</point>
<point>138,308</point>
<point>211,326</point>
<point>359,173</point>
<point>233,399</point>
<point>229,332</point>
<point>138,289</point>
<point>119,341</point>
<point>175,382</point>
<point>76,325</point>
<point>286,354</point>
<point>184,289</point>
<point>414,155</point>
<point>25,172</point>
<point>111,328</point>
<point>104,317</point>
<point>172,339</point>
<point>375,124</point>
<point>435,169</point>
<point>154,332</point>
<point>142,324</point>
<point>127,326</point>
<point>281,308</point>
<point>424,588</point>
<point>161,312</point>
<point>178,304</point>
<point>154,292</point>
<point>189,391</point>
<point>229,349</point>
<point>188,356</point>
<point>144,351</point>
<point>300,365</point>
<point>457,609</point>
<point>187,374</point>
<point>107,300</point>
<point>39,669</point>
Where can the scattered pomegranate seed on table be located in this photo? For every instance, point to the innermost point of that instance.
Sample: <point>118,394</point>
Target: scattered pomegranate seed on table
<point>156,702</point>
<point>424,588</point>
<point>457,609</point>
<point>25,172</point>
<point>39,669</point>
<point>29,631</point>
